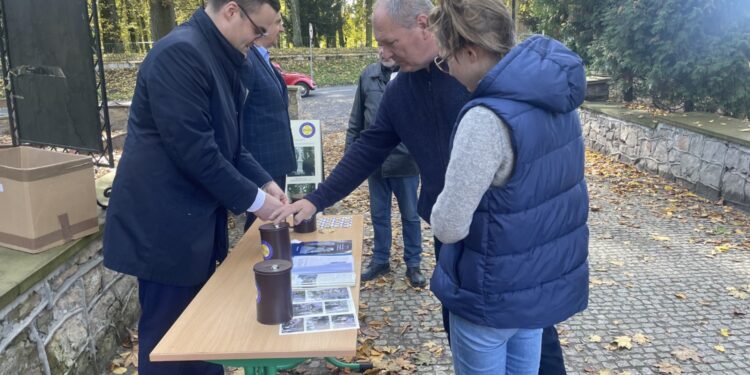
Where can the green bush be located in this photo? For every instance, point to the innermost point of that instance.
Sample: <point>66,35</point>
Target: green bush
<point>679,54</point>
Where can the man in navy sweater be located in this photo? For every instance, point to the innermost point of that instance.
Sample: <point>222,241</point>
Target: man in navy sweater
<point>419,108</point>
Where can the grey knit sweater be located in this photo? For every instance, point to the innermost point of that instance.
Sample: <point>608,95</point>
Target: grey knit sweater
<point>482,156</point>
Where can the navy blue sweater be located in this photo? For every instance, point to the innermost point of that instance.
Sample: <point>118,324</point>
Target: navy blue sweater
<point>419,109</point>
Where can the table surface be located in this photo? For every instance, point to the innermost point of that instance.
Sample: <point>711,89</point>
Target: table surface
<point>220,323</point>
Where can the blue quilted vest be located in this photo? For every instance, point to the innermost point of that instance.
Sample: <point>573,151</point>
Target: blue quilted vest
<point>524,262</point>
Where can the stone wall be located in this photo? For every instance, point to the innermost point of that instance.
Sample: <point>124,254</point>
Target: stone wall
<point>71,322</point>
<point>710,166</point>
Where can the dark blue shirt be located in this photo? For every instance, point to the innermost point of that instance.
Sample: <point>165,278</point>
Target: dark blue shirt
<point>419,109</point>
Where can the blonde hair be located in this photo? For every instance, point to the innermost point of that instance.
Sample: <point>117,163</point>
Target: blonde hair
<point>484,23</point>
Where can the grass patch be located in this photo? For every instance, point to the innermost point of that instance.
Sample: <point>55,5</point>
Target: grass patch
<point>329,72</point>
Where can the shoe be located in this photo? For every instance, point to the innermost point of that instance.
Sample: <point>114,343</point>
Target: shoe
<point>375,270</point>
<point>415,277</point>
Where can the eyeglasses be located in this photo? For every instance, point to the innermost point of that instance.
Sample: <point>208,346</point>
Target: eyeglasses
<point>442,64</point>
<point>259,31</point>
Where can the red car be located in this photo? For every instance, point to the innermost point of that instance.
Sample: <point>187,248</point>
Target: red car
<point>305,83</point>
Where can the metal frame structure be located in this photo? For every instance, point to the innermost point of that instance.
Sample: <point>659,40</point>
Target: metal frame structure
<point>105,157</point>
<point>5,58</point>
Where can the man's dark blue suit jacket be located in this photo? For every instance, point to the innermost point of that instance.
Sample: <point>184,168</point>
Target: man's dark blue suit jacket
<point>266,122</point>
<point>183,164</point>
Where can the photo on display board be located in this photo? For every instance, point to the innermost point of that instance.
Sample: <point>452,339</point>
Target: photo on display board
<point>305,157</point>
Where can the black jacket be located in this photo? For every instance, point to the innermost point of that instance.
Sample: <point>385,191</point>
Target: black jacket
<point>370,91</point>
<point>183,165</point>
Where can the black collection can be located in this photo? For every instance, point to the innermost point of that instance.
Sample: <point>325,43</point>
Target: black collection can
<point>273,281</point>
<point>275,242</point>
<point>306,226</point>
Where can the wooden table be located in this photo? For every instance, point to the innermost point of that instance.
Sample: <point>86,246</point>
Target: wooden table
<point>220,324</point>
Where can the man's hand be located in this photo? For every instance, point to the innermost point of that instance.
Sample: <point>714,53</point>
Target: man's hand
<point>303,209</point>
<point>274,190</point>
<point>270,205</point>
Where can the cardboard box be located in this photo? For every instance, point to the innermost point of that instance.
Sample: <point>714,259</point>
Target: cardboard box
<point>46,198</point>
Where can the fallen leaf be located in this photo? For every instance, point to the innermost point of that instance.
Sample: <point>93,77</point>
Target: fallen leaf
<point>387,308</point>
<point>404,328</point>
<point>680,295</point>
<point>595,338</point>
<point>737,293</point>
<point>724,332</point>
<point>657,237</point>
<point>685,354</point>
<point>723,248</point>
<point>719,348</point>
<point>668,368</point>
<point>404,363</point>
<point>620,342</point>
<point>424,359</point>
<point>119,370</point>
<point>641,339</point>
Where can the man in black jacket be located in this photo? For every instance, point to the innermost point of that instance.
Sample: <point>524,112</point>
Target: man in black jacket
<point>183,167</point>
<point>397,176</point>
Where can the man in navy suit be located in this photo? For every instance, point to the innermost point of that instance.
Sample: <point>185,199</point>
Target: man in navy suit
<point>184,166</point>
<point>266,123</point>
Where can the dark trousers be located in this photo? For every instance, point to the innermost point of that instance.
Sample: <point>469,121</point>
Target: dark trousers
<point>381,192</point>
<point>551,362</point>
<point>161,305</point>
<point>281,181</point>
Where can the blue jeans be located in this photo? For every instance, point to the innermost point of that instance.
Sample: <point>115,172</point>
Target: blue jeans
<point>405,190</point>
<point>481,350</point>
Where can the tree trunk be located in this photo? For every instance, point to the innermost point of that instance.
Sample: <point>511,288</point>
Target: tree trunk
<point>689,106</point>
<point>340,29</point>
<point>110,26</point>
<point>628,92</point>
<point>162,18</point>
<point>296,24</point>
<point>130,22</point>
<point>342,37</point>
<point>144,34</point>
<point>368,23</point>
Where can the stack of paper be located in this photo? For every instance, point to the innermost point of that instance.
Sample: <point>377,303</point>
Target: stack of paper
<point>322,264</point>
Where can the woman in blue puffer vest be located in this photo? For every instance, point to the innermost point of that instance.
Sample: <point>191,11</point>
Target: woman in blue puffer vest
<point>514,207</point>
